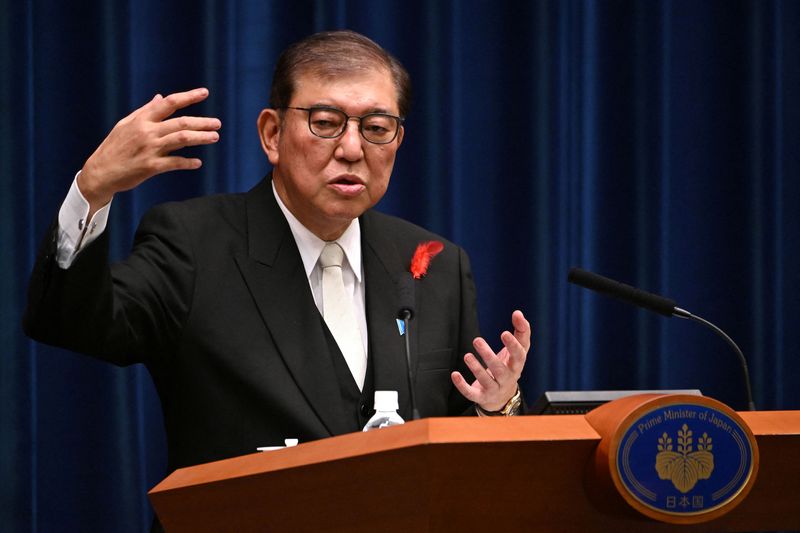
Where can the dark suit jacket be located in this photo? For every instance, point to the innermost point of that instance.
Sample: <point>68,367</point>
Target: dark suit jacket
<point>215,301</point>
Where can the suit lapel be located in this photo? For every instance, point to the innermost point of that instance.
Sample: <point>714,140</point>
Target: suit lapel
<point>274,274</point>
<point>382,266</point>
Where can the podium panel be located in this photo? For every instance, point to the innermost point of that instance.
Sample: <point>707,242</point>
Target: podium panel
<point>454,474</point>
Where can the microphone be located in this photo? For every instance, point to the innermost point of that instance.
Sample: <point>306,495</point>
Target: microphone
<point>620,291</point>
<point>658,304</point>
<point>405,297</point>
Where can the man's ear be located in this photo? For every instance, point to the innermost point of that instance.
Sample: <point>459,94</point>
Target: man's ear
<point>400,136</point>
<point>269,130</point>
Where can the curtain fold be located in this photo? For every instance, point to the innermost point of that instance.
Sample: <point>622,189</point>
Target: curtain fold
<point>653,142</point>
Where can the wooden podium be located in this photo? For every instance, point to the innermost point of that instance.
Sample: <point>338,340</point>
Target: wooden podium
<point>455,474</point>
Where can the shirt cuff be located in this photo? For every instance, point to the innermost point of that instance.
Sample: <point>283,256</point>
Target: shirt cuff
<point>74,231</point>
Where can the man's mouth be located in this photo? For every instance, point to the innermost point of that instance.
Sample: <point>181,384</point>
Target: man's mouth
<point>347,185</point>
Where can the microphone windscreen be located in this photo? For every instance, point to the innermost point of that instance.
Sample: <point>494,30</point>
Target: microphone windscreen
<point>405,295</point>
<point>618,290</point>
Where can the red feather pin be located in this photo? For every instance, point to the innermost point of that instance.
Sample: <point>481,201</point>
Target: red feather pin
<point>423,255</point>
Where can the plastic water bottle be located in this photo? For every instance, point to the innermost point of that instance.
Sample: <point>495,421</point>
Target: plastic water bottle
<point>385,411</point>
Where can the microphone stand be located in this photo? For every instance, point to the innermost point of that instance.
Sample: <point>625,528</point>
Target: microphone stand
<point>686,315</point>
<point>658,304</point>
<point>406,316</point>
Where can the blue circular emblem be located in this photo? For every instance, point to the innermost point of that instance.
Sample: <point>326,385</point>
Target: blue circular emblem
<point>684,459</point>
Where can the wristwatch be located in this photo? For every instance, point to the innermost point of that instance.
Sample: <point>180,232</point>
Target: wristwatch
<point>511,408</point>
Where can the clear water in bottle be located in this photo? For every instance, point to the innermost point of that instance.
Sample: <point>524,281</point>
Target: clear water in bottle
<point>385,411</point>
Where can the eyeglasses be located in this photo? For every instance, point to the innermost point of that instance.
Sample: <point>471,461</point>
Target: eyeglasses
<point>329,123</point>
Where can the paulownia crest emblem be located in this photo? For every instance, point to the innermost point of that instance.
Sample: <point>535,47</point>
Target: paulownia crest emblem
<point>685,466</point>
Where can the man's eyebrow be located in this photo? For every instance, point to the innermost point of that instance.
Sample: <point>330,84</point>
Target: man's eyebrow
<point>382,110</point>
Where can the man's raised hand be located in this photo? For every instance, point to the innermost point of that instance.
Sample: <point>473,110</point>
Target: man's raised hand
<point>140,146</point>
<point>497,383</point>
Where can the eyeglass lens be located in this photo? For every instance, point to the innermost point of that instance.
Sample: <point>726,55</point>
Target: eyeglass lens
<point>375,127</point>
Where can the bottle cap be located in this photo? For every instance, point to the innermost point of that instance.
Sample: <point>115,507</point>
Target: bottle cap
<point>386,400</point>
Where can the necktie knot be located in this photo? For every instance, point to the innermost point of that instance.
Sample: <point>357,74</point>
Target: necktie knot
<point>332,255</point>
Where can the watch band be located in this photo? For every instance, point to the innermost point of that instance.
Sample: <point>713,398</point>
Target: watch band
<point>511,408</point>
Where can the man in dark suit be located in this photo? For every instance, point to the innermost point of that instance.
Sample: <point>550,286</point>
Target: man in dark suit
<point>223,297</point>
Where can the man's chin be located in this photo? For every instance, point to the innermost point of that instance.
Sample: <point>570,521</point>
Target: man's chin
<point>335,223</point>
<point>346,209</point>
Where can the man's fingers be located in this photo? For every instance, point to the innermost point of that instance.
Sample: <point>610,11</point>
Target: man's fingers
<point>484,377</point>
<point>522,329</point>
<point>184,138</point>
<point>496,366</point>
<point>141,110</point>
<point>189,123</point>
<point>166,164</point>
<point>522,334</point>
<point>463,387</point>
<point>160,108</point>
<point>516,352</point>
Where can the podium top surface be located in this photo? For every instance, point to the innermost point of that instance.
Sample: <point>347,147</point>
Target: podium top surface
<point>428,431</point>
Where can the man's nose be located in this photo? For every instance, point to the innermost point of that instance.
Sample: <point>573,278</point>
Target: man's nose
<point>350,143</point>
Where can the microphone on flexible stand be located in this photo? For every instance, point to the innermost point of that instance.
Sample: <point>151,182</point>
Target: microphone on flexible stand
<point>658,304</point>
<point>405,292</point>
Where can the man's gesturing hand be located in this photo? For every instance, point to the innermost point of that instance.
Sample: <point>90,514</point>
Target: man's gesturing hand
<point>140,145</point>
<point>497,383</point>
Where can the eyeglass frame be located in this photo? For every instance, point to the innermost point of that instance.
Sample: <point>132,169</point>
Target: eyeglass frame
<point>400,121</point>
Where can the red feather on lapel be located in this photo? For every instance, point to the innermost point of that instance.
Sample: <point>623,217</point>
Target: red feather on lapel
<point>422,257</point>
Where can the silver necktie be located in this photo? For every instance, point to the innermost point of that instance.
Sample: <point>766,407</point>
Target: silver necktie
<point>339,312</point>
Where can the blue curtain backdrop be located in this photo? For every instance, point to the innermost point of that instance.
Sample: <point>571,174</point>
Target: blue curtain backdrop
<point>654,142</point>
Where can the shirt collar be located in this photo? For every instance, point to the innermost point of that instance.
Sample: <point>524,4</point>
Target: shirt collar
<point>310,246</point>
